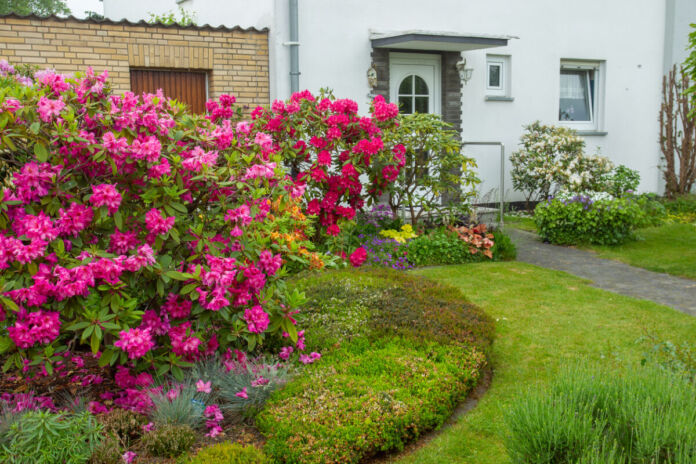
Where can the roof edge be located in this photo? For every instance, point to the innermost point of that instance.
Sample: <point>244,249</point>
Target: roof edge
<point>125,22</point>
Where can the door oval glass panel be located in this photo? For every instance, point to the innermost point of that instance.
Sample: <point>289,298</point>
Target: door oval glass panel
<point>414,95</point>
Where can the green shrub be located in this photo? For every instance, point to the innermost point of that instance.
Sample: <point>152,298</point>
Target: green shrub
<point>654,212</point>
<point>398,353</point>
<point>126,425</point>
<point>504,249</point>
<point>581,219</point>
<point>169,441</point>
<point>229,453</point>
<point>643,416</point>
<point>43,437</point>
<point>441,246</point>
<point>437,247</point>
<point>108,451</point>
<point>622,180</point>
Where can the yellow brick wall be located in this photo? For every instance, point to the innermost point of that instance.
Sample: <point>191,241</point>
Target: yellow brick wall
<point>236,59</point>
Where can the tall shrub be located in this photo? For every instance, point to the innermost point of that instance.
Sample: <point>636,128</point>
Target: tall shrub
<point>139,231</point>
<point>552,157</point>
<point>677,133</point>
<point>436,174</point>
<point>338,156</point>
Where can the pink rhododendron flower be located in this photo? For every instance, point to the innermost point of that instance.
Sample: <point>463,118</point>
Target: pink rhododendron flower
<point>197,158</point>
<point>257,319</point>
<point>358,257</point>
<point>270,263</point>
<point>156,223</point>
<point>285,352</point>
<point>136,342</point>
<point>39,327</point>
<point>242,394</point>
<point>128,457</point>
<point>48,108</point>
<point>106,195</point>
<point>74,220</point>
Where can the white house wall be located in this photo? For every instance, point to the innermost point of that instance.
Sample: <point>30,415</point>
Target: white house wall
<point>627,35</point>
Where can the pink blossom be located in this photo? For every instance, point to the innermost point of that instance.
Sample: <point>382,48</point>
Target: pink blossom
<point>270,263</point>
<point>128,457</point>
<point>136,342</point>
<point>149,427</point>
<point>48,108</point>
<point>310,358</point>
<point>30,328</point>
<point>285,352</point>
<point>203,387</point>
<point>197,158</point>
<point>242,394</point>
<point>106,195</point>
<point>74,220</point>
<point>264,141</point>
<point>156,223</point>
<point>257,319</point>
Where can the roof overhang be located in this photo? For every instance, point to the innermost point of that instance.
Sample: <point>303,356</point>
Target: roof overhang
<point>436,41</point>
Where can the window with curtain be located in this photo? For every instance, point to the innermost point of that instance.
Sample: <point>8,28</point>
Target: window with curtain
<point>577,98</point>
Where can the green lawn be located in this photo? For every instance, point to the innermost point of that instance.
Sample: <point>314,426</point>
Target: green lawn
<point>520,222</point>
<point>670,248</point>
<point>545,321</point>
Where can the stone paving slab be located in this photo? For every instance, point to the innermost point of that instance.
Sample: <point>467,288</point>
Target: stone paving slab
<point>676,292</point>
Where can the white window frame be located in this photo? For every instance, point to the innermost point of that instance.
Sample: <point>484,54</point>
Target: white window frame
<point>596,102</point>
<point>502,61</point>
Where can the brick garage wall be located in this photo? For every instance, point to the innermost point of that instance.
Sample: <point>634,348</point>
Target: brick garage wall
<point>236,59</point>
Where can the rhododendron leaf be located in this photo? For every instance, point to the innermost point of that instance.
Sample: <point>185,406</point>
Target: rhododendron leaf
<point>32,268</point>
<point>251,341</point>
<point>40,152</point>
<point>105,357</point>
<point>95,342</point>
<point>118,220</point>
<point>162,369</point>
<point>290,328</point>
<point>5,344</point>
<point>178,373</point>
<point>6,141</point>
<point>174,234</point>
<point>9,304</point>
<point>188,288</point>
<point>87,332</point>
<point>176,275</point>
<point>49,368</point>
<point>78,326</point>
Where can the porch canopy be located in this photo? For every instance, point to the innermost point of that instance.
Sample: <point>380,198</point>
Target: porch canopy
<point>436,41</point>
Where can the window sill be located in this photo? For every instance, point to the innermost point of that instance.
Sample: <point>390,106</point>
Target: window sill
<point>592,133</point>
<point>497,98</point>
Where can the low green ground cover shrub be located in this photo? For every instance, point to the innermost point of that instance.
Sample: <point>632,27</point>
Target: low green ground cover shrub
<point>229,453</point>
<point>399,353</point>
<point>43,437</point>
<point>588,218</point>
<point>586,416</point>
<point>441,246</point>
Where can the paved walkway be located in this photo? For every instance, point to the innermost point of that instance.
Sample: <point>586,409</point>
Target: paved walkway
<point>607,274</point>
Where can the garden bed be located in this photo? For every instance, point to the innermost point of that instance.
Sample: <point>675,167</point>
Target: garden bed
<point>399,354</point>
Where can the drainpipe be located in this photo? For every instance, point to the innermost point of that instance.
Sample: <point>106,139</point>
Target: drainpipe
<point>294,45</point>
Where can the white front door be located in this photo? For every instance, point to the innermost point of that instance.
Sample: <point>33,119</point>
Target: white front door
<point>414,82</point>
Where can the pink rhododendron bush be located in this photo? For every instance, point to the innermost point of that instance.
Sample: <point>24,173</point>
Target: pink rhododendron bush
<point>153,237</point>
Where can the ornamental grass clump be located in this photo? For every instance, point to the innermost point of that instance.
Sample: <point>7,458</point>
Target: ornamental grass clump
<point>644,415</point>
<point>154,237</point>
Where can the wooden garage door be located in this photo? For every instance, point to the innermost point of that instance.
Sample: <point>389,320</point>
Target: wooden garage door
<point>185,86</point>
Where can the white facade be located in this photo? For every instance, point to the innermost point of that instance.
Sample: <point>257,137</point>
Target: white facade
<point>619,48</point>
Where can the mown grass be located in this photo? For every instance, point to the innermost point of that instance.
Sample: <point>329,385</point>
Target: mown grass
<point>546,320</point>
<point>670,248</point>
<point>520,222</point>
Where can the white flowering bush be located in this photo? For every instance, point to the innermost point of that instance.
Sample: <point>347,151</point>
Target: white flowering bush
<point>551,158</point>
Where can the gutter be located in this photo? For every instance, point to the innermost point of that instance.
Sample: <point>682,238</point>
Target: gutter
<point>294,45</point>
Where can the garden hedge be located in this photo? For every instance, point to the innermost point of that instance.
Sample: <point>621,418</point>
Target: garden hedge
<point>399,353</point>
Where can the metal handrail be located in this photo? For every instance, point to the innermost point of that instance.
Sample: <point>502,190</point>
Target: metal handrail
<point>502,173</point>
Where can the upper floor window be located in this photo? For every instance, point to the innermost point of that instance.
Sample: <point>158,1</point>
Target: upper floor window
<point>580,101</point>
<point>414,95</point>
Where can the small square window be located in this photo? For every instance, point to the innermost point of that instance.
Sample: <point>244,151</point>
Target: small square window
<point>497,76</point>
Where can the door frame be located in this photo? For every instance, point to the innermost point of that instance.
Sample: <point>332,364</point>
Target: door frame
<point>430,60</point>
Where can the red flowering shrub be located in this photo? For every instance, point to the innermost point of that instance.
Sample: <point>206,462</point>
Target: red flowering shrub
<point>329,148</point>
<point>148,234</point>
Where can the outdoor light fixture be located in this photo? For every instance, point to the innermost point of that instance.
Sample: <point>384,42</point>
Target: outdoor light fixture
<point>464,72</point>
